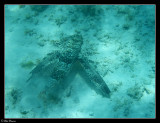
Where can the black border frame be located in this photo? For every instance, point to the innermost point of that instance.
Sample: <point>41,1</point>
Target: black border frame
<point>2,56</point>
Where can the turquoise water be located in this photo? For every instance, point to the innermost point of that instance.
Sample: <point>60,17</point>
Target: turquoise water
<point>118,41</point>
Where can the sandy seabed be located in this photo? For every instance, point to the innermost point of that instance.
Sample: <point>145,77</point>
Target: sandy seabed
<point>119,39</point>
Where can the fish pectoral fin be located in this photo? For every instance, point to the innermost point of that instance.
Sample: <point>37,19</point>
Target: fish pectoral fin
<point>92,78</point>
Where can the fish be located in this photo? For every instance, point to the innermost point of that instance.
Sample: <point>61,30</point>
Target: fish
<point>60,68</point>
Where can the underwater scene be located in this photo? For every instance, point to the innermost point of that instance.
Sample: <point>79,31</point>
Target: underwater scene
<point>79,61</point>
